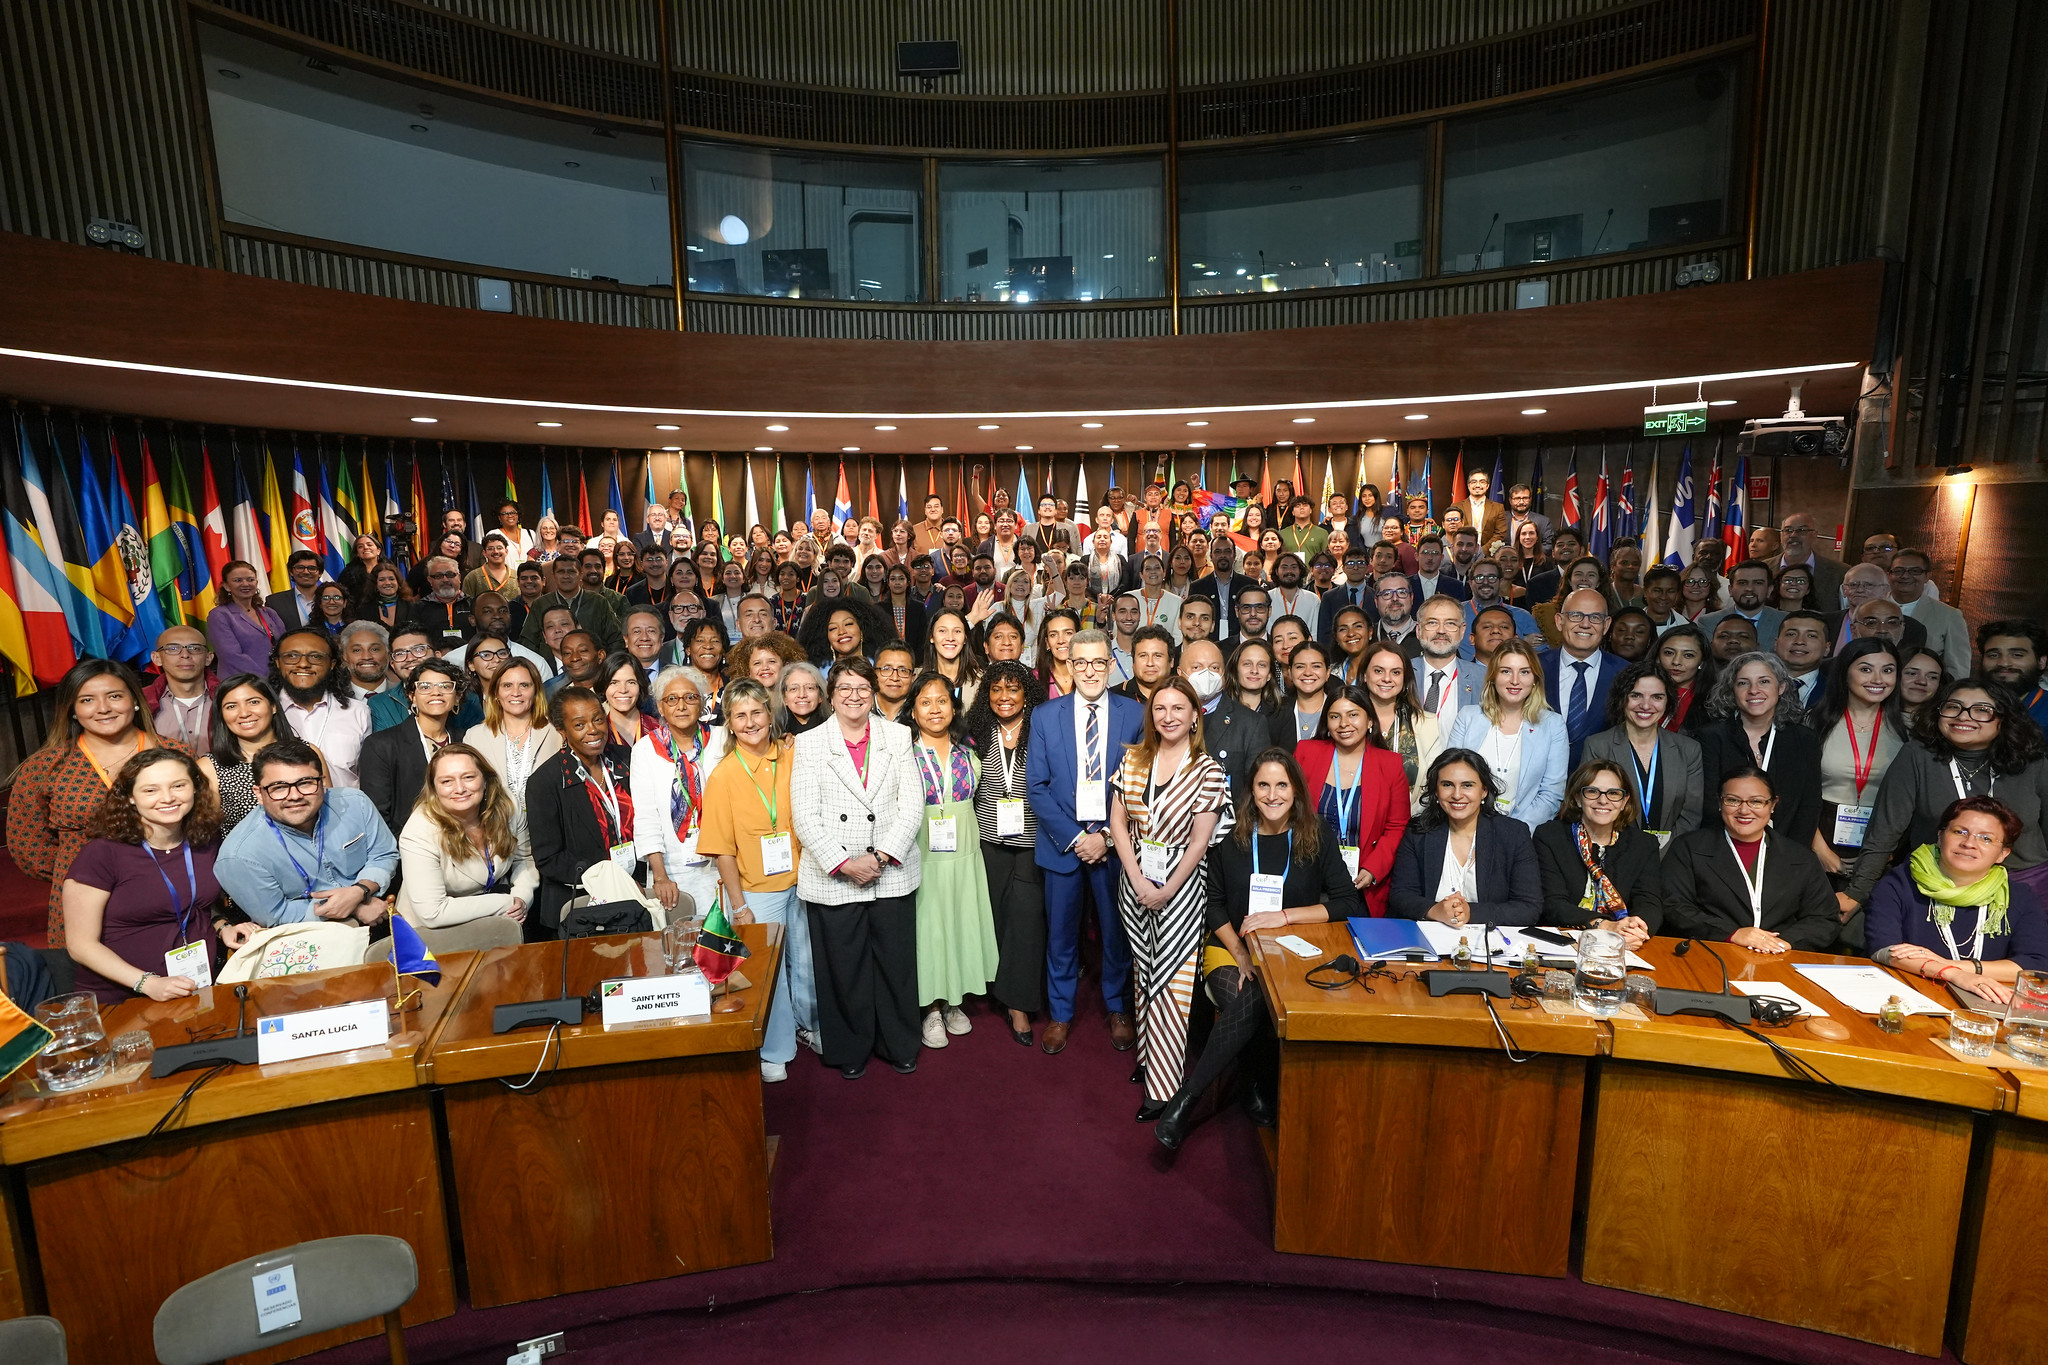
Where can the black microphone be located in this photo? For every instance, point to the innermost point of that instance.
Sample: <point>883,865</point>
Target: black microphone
<point>1724,1004</point>
<point>1488,980</point>
<point>563,1009</point>
<point>236,1047</point>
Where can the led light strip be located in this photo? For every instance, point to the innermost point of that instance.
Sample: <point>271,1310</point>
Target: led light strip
<point>1325,405</point>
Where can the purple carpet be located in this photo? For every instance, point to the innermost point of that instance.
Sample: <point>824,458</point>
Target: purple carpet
<point>1003,1198</point>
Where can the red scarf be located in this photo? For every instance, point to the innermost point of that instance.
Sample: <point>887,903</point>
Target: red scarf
<point>686,792</point>
<point>622,792</point>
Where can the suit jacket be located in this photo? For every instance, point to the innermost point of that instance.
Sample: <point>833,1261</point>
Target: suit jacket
<point>1768,619</point>
<point>1234,735</point>
<point>286,605</point>
<point>567,837</point>
<point>1602,679</point>
<point>1632,864</point>
<point>1948,634</point>
<point>1334,601</point>
<point>393,771</point>
<point>841,812</point>
<point>1447,585</point>
<point>1794,770</point>
<point>1706,891</point>
<point>1543,531</point>
<point>1680,774</point>
<point>1205,586</point>
<point>1509,885</point>
<point>1491,521</point>
<point>1382,809</point>
<point>1470,681</point>
<point>1052,776</point>
<point>1539,784</point>
<point>547,743</point>
<point>913,622</point>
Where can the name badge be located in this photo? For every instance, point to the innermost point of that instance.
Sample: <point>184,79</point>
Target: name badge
<point>277,1299</point>
<point>1503,804</point>
<point>624,859</point>
<point>690,855</point>
<point>1265,895</point>
<point>1850,822</point>
<point>1156,861</point>
<point>190,961</point>
<point>1350,852</point>
<point>1662,836</point>
<point>942,833</point>
<point>1091,800</point>
<point>1009,818</point>
<point>778,855</point>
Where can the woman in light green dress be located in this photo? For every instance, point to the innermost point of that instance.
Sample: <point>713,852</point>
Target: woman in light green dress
<point>956,930</point>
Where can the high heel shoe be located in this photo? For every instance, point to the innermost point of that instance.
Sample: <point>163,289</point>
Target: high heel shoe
<point>1260,1106</point>
<point>1174,1121</point>
<point>1150,1110</point>
<point>1023,1035</point>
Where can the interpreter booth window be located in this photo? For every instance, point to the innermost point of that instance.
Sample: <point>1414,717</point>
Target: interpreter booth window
<point>1023,232</point>
<point>802,225</point>
<point>319,150</point>
<point>1314,216</point>
<point>1648,165</point>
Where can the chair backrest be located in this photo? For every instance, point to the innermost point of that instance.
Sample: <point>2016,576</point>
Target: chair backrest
<point>32,1341</point>
<point>341,1280</point>
<point>471,936</point>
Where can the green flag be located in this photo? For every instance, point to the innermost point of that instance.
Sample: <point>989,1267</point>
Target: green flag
<point>719,950</point>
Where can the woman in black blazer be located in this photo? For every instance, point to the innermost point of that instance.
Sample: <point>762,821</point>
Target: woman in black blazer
<point>570,830</point>
<point>392,768</point>
<point>1462,861</point>
<point>1759,723</point>
<point>1612,878</point>
<point>1746,881</point>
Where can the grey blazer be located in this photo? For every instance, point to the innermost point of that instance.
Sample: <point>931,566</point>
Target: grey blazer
<point>1680,771</point>
<point>1469,678</point>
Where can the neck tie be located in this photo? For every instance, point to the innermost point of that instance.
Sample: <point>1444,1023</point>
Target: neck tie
<point>1436,689</point>
<point>1093,739</point>
<point>1575,718</point>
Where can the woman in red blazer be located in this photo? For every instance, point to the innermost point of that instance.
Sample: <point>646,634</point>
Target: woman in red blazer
<point>1359,790</point>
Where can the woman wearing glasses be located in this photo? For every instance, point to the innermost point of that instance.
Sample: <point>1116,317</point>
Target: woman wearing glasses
<point>669,765</point>
<point>1744,881</point>
<point>393,764</point>
<point>1951,912</point>
<point>1599,866</point>
<point>1973,739</point>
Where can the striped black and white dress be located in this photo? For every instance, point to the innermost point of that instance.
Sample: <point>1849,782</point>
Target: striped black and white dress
<point>1166,944</point>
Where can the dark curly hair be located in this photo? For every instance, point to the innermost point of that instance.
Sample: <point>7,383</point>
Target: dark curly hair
<point>877,628</point>
<point>2019,741</point>
<point>981,717</point>
<point>338,686</point>
<point>118,820</point>
<point>957,731</point>
<point>1625,683</point>
<point>1429,815</point>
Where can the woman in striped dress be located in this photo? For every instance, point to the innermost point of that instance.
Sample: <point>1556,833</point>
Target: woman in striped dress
<point>1167,800</point>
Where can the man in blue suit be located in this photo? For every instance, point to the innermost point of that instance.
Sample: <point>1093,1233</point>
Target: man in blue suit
<point>1077,743</point>
<point>1578,676</point>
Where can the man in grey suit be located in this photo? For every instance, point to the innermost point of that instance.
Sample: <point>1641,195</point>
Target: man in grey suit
<point>1749,584</point>
<point>1947,633</point>
<point>1444,683</point>
<point>1797,533</point>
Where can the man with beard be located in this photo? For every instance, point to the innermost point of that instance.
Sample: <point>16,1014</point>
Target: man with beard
<point>1290,597</point>
<point>1489,578</point>
<point>1197,620</point>
<point>652,589</point>
<point>591,612</point>
<point>591,564</point>
<point>1222,585</point>
<point>1444,683</point>
<point>314,697</point>
<point>366,654</point>
<point>1395,596</point>
<point>1356,592</point>
<point>1233,733</point>
<point>1521,508</point>
<point>1749,584</point>
<point>533,581</point>
<point>494,617</point>
<point>444,613</point>
<point>317,853</point>
<point>2013,653</point>
<point>1254,609</point>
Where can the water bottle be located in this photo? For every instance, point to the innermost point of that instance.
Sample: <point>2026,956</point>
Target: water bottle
<point>1602,972</point>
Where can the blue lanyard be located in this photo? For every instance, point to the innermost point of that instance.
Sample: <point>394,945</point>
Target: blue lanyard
<point>1289,867</point>
<point>1357,787</point>
<point>191,880</point>
<point>319,845</point>
<point>1645,786</point>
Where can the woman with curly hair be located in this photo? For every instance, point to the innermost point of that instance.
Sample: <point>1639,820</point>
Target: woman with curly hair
<point>998,728</point>
<point>140,899</point>
<point>1759,723</point>
<point>762,658</point>
<point>841,628</point>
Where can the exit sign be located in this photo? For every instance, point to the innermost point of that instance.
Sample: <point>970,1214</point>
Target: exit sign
<point>1675,419</point>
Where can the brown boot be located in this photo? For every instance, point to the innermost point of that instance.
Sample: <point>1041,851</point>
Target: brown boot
<point>1123,1034</point>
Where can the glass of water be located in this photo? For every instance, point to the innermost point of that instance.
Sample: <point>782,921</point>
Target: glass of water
<point>679,945</point>
<point>1599,980</point>
<point>1971,1033</point>
<point>2026,1018</point>
<point>78,1052</point>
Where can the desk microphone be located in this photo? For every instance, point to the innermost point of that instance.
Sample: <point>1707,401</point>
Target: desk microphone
<point>563,1009</point>
<point>1723,1004</point>
<point>1488,980</point>
<point>236,1047</point>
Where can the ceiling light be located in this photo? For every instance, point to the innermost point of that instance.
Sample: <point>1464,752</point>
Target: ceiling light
<point>938,450</point>
<point>885,428</point>
<point>1112,447</point>
<point>1303,421</point>
<point>1107,255</point>
<point>988,426</point>
<point>733,230</point>
<point>419,127</point>
<point>1721,402</point>
<point>572,165</point>
<point>777,426</point>
<point>1198,445</point>
<point>1092,426</point>
<point>1023,447</point>
<point>672,449</point>
<point>230,73</point>
<point>1534,412</point>
<point>666,426</point>
<point>1418,417</point>
<point>1283,443</point>
<point>763,450</point>
<point>547,424</point>
<point>851,450</point>
<point>1377,441</point>
<point>426,419</point>
<point>1198,424</point>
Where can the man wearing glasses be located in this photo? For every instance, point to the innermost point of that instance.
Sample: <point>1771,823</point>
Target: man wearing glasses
<point>444,613</point>
<point>1394,595</point>
<point>1796,532</point>
<point>410,647</point>
<point>314,697</point>
<point>1948,634</point>
<point>182,695</point>
<point>1578,674</point>
<point>394,761</point>
<point>494,617</point>
<point>1077,742</point>
<point>315,853</point>
<point>1485,581</point>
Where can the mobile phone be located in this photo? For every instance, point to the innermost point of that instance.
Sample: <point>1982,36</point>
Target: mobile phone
<point>1546,936</point>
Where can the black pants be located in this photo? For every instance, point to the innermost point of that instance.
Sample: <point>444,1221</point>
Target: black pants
<point>865,955</point>
<point>1242,1029</point>
<point>1016,895</point>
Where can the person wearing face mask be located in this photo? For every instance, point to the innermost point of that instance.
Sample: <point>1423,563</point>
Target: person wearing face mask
<point>1233,733</point>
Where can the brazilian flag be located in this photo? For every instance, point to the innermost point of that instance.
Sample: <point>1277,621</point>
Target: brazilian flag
<point>719,950</point>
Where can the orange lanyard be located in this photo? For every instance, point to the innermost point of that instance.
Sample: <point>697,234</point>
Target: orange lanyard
<point>105,781</point>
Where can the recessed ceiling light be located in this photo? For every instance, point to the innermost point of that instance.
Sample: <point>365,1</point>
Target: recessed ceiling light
<point>851,450</point>
<point>1283,443</point>
<point>426,419</point>
<point>885,428</point>
<point>419,127</point>
<point>938,450</point>
<point>989,426</point>
<point>1377,441</point>
<point>1534,412</point>
<point>1198,424</point>
<point>1303,421</point>
<point>547,424</point>
<point>1198,445</point>
<point>1112,447</point>
<point>1418,417</point>
<point>1092,426</point>
<point>666,426</point>
<point>763,450</point>
<point>777,426</point>
<point>572,165</point>
<point>672,448</point>
<point>1721,403</point>
<point>1023,447</point>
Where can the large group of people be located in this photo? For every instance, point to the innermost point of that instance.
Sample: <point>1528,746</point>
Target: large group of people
<point>955,758</point>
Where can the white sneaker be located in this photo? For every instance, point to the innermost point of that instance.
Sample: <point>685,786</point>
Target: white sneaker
<point>809,1040</point>
<point>774,1071</point>
<point>934,1030</point>
<point>957,1021</point>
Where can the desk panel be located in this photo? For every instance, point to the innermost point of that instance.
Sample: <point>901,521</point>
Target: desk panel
<point>2001,1311</point>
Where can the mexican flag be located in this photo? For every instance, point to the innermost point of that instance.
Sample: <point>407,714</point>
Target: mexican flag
<point>719,951</point>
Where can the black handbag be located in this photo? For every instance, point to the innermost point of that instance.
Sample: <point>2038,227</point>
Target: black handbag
<point>613,917</point>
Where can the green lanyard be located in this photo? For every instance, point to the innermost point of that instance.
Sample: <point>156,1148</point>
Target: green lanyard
<point>774,779</point>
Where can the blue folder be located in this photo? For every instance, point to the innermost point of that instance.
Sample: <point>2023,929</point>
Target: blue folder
<point>1384,939</point>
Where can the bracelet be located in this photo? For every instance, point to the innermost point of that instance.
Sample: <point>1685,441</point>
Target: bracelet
<point>140,979</point>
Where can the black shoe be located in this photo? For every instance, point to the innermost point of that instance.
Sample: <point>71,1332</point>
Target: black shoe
<point>1262,1108</point>
<point>1175,1121</point>
<point>904,1068</point>
<point>1150,1110</point>
<point>1138,1074</point>
<point>854,1072</point>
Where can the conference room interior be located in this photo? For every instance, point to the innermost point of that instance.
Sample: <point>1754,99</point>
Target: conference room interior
<point>1739,300</point>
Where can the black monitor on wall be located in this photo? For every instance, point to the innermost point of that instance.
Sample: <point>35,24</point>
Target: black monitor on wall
<point>797,273</point>
<point>721,276</point>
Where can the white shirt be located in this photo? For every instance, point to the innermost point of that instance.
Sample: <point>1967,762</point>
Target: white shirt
<point>1164,612</point>
<point>1447,692</point>
<point>1301,602</point>
<point>338,734</point>
<point>1503,754</point>
<point>1459,878</point>
<point>1081,705</point>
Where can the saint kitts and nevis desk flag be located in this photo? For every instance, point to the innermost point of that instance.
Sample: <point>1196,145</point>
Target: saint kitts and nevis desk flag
<point>719,950</point>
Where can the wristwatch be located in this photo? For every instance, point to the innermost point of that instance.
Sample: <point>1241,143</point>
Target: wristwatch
<point>370,889</point>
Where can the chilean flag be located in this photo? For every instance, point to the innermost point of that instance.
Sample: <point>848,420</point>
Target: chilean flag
<point>1738,512</point>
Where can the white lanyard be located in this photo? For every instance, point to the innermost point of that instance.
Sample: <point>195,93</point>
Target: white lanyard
<point>1955,770</point>
<point>609,796</point>
<point>1770,747</point>
<point>1754,887</point>
<point>1976,953</point>
<point>1006,759</point>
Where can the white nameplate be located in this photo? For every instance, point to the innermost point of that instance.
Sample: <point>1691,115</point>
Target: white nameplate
<point>636,999</point>
<point>315,1033</point>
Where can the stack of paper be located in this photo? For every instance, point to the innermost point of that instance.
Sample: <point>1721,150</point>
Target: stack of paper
<point>1865,989</point>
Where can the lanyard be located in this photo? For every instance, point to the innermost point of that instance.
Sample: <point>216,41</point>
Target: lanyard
<point>319,846</point>
<point>1754,887</point>
<point>608,798</point>
<point>192,881</point>
<point>105,781</point>
<point>1006,759</point>
<point>1770,747</point>
<point>1948,937</point>
<point>1646,783</point>
<point>1955,770</point>
<point>774,780</point>
<point>1357,797</point>
<point>1859,765</point>
<point>1288,866</point>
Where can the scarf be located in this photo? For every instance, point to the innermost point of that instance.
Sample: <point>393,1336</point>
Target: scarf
<point>1993,891</point>
<point>686,791</point>
<point>1606,899</point>
<point>577,772</point>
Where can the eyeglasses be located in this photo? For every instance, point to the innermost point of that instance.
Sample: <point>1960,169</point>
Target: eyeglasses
<point>492,654</point>
<point>850,693</point>
<point>1982,840</point>
<point>1389,594</point>
<point>1955,710</point>
<point>1755,803</point>
<point>433,689</point>
<point>1087,665</point>
<point>1584,618</point>
<point>894,670</point>
<point>1881,547</point>
<point>299,656</point>
<point>675,698</point>
<point>182,651</point>
<point>1603,794</point>
<point>278,791</point>
<point>443,573</point>
<point>414,652</point>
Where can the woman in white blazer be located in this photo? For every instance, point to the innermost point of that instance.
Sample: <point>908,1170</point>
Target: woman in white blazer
<point>670,762</point>
<point>858,801</point>
<point>1522,740</point>
<point>516,736</point>
<point>463,850</point>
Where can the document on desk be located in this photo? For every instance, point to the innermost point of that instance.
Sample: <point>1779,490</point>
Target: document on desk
<point>1508,943</point>
<point>1771,990</point>
<point>1865,989</point>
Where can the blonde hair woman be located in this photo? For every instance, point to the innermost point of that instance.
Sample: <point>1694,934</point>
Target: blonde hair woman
<point>1522,740</point>
<point>464,849</point>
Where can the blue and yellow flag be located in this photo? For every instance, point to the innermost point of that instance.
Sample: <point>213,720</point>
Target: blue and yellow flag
<point>409,953</point>
<point>99,571</point>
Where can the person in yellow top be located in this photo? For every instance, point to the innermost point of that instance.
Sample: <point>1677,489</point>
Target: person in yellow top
<point>747,828</point>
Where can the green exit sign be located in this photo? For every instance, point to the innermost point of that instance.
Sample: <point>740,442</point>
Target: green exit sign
<point>1675,419</point>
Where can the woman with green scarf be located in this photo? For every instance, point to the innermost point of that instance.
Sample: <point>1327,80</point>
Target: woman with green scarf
<point>1950,912</point>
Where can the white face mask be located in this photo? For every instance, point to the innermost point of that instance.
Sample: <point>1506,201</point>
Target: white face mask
<point>1207,682</point>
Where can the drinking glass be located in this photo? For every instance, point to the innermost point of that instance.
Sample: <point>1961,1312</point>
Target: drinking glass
<point>2026,1018</point>
<point>679,943</point>
<point>1971,1033</point>
<point>78,1051</point>
<point>1597,984</point>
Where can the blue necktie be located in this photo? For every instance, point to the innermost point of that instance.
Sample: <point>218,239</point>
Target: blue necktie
<point>1093,739</point>
<point>1575,717</point>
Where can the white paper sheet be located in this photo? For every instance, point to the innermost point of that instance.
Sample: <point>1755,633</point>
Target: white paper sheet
<point>1771,990</point>
<point>1865,989</point>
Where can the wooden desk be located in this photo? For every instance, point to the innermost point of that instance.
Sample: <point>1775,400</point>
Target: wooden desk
<point>1405,1132</point>
<point>637,1153</point>
<point>2001,1313</point>
<point>260,1158</point>
<point>1718,1179</point>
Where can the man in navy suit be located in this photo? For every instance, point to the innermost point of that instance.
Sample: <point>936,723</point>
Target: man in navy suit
<point>1077,743</point>
<point>1577,677</point>
<point>294,606</point>
<point>1222,585</point>
<point>1431,578</point>
<point>1356,592</point>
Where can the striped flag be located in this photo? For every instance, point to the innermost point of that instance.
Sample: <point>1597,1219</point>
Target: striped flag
<point>1026,514</point>
<point>903,489</point>
<point>1083,516</point>
<point>167,559</point>
<point>477,529</point>
<point>781,517</point>
<point>582,476</point>
<point>1736,530</point>
<point>874,496</point>
<point>336,531</point>
<point>277,528</point>
<point>842,500</point>
<point>368,522</point>
<point>1568,514</point>
<point>614,499</point>
<point>1649,522</point>
<point>1625,503</point>
<point>36,588</point>
<point>305,517</point>
<point>422,524</point>
<point>134,554</point>
<point>1601,540</point>
<point>196,579</point>
<point>753,498</point>
<point>96,565</point>
<point>243,520</point>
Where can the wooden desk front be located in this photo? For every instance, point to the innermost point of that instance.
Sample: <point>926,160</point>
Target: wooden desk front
<point>1405,1132</point>
<point>635,1153</point>
<point>259,1158</point>
<point>1719,1179</point>
<point>2001,1311</point>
